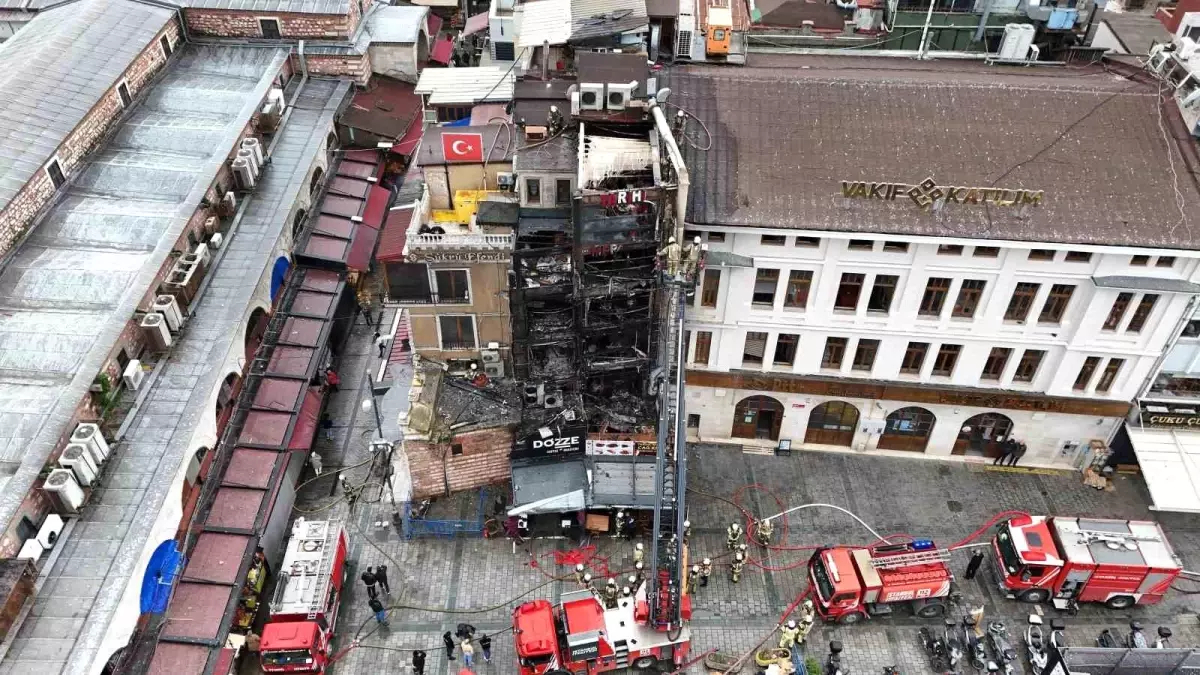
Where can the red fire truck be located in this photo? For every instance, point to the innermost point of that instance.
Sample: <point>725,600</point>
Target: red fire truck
<point>1118,562</point>
<point>581,636</point>
<point>853,583</point>
<point>304,609</point>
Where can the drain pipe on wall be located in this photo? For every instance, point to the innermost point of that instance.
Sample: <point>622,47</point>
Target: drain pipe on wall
<point>681,172</point>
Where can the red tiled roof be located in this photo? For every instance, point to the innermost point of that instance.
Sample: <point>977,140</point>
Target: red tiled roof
<point>442,49</point>
<point>392,239</point>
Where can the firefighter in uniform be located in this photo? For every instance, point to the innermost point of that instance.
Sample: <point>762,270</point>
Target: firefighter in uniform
<point>639,553</point>
<point>705,571</point>
<point>735,568</point>
<point>687,531</point>
<point>587,581</point>
<point>610,593</point>
<point>671,255</point>
<point>733,535</point>
<point>639,571</point>
<point>808,615</point>
<point>579,574</point>
<point>693,578</point>
<point>619,523</point>
<point>691,259</point>
<point>626,592</point>
<point>763,530</point>
<point>632,581</point>
<point>787,634</point>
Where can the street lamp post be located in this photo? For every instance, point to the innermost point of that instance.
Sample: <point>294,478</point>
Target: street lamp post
<point>373,404</point>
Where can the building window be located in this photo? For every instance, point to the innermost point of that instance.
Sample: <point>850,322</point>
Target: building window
<point>269,28</point>
<point>1085,373</point>
<point>54,170</point>
<point>1078,256</point>
<point>1021,301</point>
<point>1056,303</point>
<point>164,43</point>
<point>765,283</point>
<point>895,246</point>
<point>703,347</point>
<point>950,249</point>
<point>1139,260</point>
<point>1191,32</point>
<point>533,191</point>
<point>1111,369</point>
<point>456,449</point>
<point>123,93</point>
<point>505,51</point>
<point>798,285</point>
<point>882,293</point>
<point>452,286</point>
<point>1190,330</point>
<point>986,252</point>
<point>773,240</point>
<point>1165,261</point>
<point>458,332</point>
<point>453,113</point>
<point>562,192</point>
<point>835,351</point>
<point>808,242</point>
<point>1119,307</point>
<point>935,296</point>
<point>861,245</point>
<point>756,346</point>
<point>993,368</point>
<point>969,295</point>
<point>693,421</point>
<point>864,355</point>
<point>1142,313</point>
<point>1041,254</point>
<point>1028,366</point>
<point>946,359</point>
<point>848,291</point>
<point>716,237</point>
<point>712,286</point>
<point>785,349</point>
<point>914,358</point>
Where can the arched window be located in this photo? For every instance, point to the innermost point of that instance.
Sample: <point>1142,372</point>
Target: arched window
<point>982,435</point>
<point>832,423</point>
<point>315,184</point>
<point>907,429</point>
<point>757,417</point>
<point>298,222</point>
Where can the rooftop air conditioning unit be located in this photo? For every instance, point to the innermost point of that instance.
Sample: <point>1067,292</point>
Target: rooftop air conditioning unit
<point>64,490</point>
<point>430,116</point>
<point>554,400</point>
<point>535,394</point>
<point>52,527</point>
<point>32,549</point>
<point>253,145</point>
<point>229,204</point>
<point>215,241</point>
<point>89,434</point>
<point>168,306</point>
<point>202,254</point>
<point>506,181</point>
<point>76,458</point>
<point>97,459</point>
<point>535,133</point>
<point>248,155</point>
<point>243,174</point>
<point>154,327</point>
<point>134,375</point>
<point>270,115</point>
<point>210,225</point>
<point>619,95</point>
<point>184,281</point>
<point>490,355</point>
<point>494,370</point>
<point>591,96</point>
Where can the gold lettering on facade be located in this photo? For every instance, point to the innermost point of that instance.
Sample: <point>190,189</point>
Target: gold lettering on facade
<point>927,193</point>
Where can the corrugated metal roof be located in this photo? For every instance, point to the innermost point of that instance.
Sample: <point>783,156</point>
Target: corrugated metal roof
<point>600,18</point>
<point>544,21</point>
<point>295,6</point>
<point>446,86</point>
<point>388,23</point>
<point>623,483</point>
<point>56,69</point>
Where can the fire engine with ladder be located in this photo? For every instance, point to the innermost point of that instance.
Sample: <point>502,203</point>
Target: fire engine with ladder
<point>303,611</point>
<point>1120,563</point>
<point>853,583</point>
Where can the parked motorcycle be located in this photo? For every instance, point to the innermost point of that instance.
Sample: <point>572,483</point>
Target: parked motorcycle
<point>1106,640</point>
<point>997,636</point>
<point>1035,643</point>
<point>955,643</point>
<point>975,649</point>
<point>1136,639</point>
<point>1058,637</point>
<point>833,664</point>
<point>935,647</point>
<point>1164,638</point>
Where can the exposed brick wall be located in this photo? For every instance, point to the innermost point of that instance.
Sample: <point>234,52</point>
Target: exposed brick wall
<point>357,67</point>
<point>484,461</point>
<point>292,26</point>
<point>39,191</point>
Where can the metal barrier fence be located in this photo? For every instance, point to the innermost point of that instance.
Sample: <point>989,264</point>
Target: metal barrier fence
<point>422,527</point>
<point>1097,661</point>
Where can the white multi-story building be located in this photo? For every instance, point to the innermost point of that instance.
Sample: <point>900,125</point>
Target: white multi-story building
<point>840,313</point>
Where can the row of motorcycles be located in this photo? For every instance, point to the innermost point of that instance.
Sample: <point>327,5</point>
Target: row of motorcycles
<point>1136,639</point>
<point>959,644</point>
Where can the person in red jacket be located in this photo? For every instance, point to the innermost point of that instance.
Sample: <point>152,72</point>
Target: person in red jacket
<point>332,379</point>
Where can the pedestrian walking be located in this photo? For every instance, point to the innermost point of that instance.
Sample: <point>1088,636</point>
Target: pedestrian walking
<point>1006,449</point>
<point>380,612</point>
<point>973,565</point>
<point>448,640</point>
<point>317,464</point>
<point>485,643</point>
<point>381,579</point>
<point>1017,453</point>
<point>418,662</point>
<point>381,341</point>
<point>327,426</point>
<point>468,653</point>
<point>369,579</point>
<point>332,379</point>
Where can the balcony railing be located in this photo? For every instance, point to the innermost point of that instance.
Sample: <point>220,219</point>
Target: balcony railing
<point>457,345</point>
<point>466,240</point>
<point>431,299</point>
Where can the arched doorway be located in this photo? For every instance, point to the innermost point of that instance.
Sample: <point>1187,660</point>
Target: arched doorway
<point>982,434</point>
<point>907,429</point>
<point>316,181</point>
<point>757,417</point>
<point>832,423</point>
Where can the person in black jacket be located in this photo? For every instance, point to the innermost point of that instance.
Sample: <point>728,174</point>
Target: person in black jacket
<point>369,579</point>
<point>485,643</point>
<point>448,639</point>
<point>418,662</point>
<point>381,577</point>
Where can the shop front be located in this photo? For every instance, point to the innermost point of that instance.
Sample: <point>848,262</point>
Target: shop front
<point>1164,440</point>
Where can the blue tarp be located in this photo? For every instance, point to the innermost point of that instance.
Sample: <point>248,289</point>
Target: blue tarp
<point>464,122</point>
<point>165,563</point>
<point>278,274</point>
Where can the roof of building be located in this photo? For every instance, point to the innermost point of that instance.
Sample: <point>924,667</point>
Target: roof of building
<point>787,133</point>
<point>56,69</point>
<point>601,67</point>
<point>499,142</point>
<point>388,109</point>
<point>544,21</point>
<point>558,153</point>
<point>601,18</point>
<point>532,99</point>
<point>396,23</point>
<point>666,9</point>
<point>793,13</point>
<point>291,6</point>
<point>1136,32</point>
<point>446,86</point>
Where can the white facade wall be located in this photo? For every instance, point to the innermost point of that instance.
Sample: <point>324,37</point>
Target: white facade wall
<point>1067,344</point>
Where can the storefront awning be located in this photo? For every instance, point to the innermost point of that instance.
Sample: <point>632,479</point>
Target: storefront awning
<point>552,487</point>
<point>727,259</point>
<point>1170,464</point>
<point>475,24</point>
<point>305,427</point>
<point>1151,284</point>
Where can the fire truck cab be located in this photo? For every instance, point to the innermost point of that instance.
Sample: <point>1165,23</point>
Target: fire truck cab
<point>582,637</point>
<point>853,583</point>
<point>303,611</point>
<point>1118,562</point>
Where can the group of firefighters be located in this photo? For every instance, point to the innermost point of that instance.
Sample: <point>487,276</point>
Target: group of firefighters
<point>679,263</point>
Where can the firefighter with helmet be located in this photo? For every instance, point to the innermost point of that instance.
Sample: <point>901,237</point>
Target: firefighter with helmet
<point>639,553</point>
<point>639,570</point>
<point>587,580</point>
<point>579,574</point>
<point>693,578</point>
<point>763,530</point>
<point>706,568</point>
<point>735,568</point>
<point>733,535</point>
<point>808,614</point>
<point>672,255</point>
<point>610,593</point>
<point>788,633</point>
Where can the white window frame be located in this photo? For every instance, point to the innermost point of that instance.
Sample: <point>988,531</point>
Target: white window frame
<point>474,330</point>
<point>61,169</point>
<point>278,26</point>
<point>438,292</point>
<point>124,83</point>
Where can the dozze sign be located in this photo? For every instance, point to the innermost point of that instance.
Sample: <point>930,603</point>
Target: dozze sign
<point>566,441</point>
<point>551,444</point>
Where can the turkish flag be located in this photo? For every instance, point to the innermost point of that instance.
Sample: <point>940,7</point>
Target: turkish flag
<point>462,147</point>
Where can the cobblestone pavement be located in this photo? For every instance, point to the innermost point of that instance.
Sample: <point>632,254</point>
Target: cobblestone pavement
<point>437,583</point>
